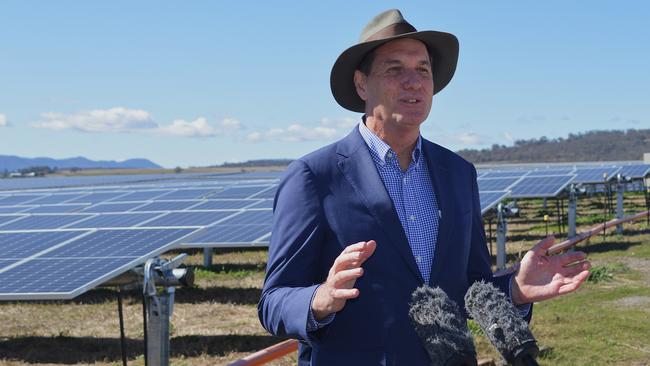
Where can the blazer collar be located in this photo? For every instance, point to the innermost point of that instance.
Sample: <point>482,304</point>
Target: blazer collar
<point>439,171</point>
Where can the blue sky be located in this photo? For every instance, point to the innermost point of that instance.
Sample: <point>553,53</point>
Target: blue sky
<point>202,82</point>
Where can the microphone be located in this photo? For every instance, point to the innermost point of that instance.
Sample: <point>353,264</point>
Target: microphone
<point>441,328</point>
<point>501,322</point>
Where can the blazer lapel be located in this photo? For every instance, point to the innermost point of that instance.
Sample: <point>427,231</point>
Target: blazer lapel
<point>359,170</point>
<point>438,170</point>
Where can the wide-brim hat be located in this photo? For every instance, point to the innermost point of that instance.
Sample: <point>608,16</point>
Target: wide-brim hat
<point>385,27</point>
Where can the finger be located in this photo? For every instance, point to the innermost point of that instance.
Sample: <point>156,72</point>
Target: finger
<point>574,283</point>
<point>344,294</point>
<point>354,255</point>
<point>575,269</point>
<point>571,257</point>
<point>346,261</point>
<point>356,247</point>
<point>541,247</point>
<point>348,276</point>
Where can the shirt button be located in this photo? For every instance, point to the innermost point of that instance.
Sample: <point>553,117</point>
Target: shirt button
<point>412,217</point>
<point>389,155</point>
<point>418,259</point>
<point>405,180</point>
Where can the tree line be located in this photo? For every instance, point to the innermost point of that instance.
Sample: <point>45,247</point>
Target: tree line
<point>588,146</point>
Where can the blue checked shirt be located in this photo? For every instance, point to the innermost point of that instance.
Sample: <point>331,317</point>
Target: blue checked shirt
<point>413,197</point>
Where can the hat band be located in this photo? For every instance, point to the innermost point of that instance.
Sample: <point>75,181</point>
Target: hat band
<point>391,31</point>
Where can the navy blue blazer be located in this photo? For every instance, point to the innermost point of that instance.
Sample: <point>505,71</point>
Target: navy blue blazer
<point>334,197</point>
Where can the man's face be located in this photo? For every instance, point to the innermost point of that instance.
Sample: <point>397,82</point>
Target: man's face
<point>399,86</point>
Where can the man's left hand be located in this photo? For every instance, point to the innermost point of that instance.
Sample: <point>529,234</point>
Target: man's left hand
<point>541,277</point>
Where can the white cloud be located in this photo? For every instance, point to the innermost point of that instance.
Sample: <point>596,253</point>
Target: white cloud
<point>118,119</point>
<point>294,133</point>
<point>508,137</point>
<point>197,128</point>
<point>3,120</point>
<point>229,124</point>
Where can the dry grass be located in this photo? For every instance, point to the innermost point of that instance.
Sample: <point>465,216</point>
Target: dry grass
<point>216,321</point>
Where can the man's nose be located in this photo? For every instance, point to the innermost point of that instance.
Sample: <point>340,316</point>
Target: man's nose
<point>412,79</point>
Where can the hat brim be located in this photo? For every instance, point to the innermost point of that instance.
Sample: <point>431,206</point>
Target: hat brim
<point>444,53</point>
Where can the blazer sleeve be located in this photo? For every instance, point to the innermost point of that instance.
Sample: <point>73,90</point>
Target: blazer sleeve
<point>292,273</point>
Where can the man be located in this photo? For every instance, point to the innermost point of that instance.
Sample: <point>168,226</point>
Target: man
<point>360,224</point>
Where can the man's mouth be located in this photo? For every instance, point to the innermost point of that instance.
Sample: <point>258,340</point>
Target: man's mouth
<point>410,100</point>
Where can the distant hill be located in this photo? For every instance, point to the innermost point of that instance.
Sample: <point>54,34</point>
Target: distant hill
<point>15,163</point>
<point>587,146</point>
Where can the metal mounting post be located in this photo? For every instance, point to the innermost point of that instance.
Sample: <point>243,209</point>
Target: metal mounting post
<point>502,228</point>
<point>160,304</point>
<point>620,187</point>
<point>573,204</point>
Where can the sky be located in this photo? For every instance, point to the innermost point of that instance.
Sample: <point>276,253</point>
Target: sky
<point>198,83</point>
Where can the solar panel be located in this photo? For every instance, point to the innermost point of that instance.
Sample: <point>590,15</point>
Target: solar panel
<point>96,197</point>
<point>19,199</point>
<point>224,204</point>
<point>268,193</point>
<point>115,220</point>
<point>197,218</point>
<point>543,186</point>
<point>140,196</point>
<point>231,235</point>
<point>595,175</point>
<point>65,208</point>
<point>188,194</point>
<point>55,198</point>
<point>637,171</point>
<point>490,199</point>
<point>241,192</point>
<point>22,245</point>
<point>113,207</point>
<point>268,203</point>
<point>43,222</point>
<point>14,209</point>
<point>505,174</point>
<point>247,228</point>
<point>552,171</point>
<point>167,206</point>
<point>496,184</point>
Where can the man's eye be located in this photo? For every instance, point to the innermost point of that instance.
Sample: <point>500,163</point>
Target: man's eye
<point>393,70</point>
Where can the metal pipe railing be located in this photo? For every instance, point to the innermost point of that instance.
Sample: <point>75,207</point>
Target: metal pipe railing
<point>268,354</point>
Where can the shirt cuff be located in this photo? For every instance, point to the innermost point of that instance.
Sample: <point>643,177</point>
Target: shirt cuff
<point>523,309</point>
<point>312,323</point>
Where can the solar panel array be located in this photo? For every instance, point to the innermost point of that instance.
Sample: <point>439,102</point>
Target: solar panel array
<point>58,243</point>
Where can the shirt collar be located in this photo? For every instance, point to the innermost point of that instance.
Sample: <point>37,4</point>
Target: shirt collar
<point>380,148</point>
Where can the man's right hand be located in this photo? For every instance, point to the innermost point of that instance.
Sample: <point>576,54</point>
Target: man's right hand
<point>331,296</point>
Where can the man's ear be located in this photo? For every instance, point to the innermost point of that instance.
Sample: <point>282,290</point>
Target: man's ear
<point>360,84</point>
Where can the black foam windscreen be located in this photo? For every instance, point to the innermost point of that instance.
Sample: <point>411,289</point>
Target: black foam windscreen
<point>501,322</point>
<point>441,328</point>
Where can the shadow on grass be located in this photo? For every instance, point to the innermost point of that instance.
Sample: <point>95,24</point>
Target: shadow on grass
<point>607,247</point>
<point>234,267</point>
<point>75,350</point>
<point>192,295</point>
